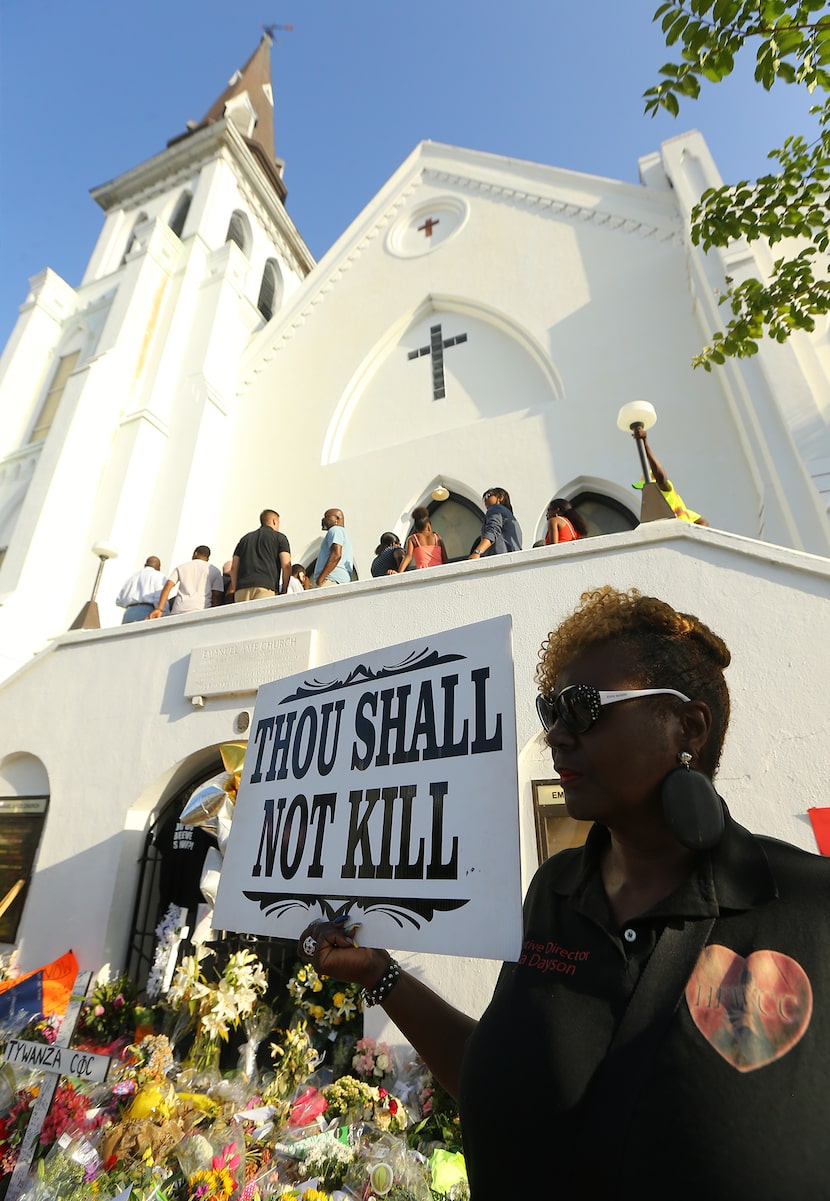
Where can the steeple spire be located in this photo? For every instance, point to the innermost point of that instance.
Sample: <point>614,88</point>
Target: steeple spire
<point>248,102</point>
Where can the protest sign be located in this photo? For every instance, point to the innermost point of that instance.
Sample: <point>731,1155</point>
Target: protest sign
<point>385,786</point>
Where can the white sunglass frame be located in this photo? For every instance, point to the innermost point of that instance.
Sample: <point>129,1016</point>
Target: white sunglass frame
<point>597,699</point>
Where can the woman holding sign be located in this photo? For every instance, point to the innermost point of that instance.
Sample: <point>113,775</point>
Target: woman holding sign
<point>665,1031</point>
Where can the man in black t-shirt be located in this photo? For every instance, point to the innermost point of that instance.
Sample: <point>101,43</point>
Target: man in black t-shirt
<point>261,564</point>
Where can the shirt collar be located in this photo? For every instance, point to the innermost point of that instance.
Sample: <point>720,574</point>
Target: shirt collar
<point>734,875</point>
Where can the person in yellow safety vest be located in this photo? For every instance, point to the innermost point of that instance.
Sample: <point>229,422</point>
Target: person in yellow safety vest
<point>673,499</point>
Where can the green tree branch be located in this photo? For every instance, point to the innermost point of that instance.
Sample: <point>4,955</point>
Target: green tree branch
<point>791,46</point>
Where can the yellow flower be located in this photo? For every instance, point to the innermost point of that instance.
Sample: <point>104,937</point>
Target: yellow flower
<point>316,1011</point>
<point>317,986</point>
<point>338,999</point>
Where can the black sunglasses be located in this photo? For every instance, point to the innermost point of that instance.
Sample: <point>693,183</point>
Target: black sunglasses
<point>579,706</point>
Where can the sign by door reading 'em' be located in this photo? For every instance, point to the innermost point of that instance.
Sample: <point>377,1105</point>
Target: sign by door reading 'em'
<point>385,787</point>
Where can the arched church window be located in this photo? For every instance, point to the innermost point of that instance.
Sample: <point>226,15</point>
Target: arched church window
<point>239,231</point>
<point>603,514</point>
<point>180,213</point>
<point>131,240</point>
<point>458,521</point>
<point>24,801</point>
<point>270,290</point>
<point>46,415</point>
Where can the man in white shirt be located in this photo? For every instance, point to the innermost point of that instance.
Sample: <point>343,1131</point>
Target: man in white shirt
<point>140,594</point>
<point>198,583</point>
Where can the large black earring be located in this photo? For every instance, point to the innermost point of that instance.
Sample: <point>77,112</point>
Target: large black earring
<point>691,807</point>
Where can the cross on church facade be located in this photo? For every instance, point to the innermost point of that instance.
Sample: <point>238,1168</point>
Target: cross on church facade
<point>428,225</point>
<point>436,348</point>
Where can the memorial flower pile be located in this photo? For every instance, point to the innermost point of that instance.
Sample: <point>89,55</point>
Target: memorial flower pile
<point>279,1125</point>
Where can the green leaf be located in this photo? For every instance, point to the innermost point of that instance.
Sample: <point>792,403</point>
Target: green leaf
<point>675,30</point>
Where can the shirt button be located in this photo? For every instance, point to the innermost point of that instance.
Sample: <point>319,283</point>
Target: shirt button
<point>630,935</point>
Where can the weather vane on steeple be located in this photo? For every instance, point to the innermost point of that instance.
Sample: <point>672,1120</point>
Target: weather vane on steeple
<point>272,29</point>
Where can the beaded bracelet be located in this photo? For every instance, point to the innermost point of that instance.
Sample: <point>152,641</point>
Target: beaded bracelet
<point>378,994</point>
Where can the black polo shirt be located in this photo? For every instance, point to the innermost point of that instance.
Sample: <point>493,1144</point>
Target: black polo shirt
<point>736,1101</point>
<point>259,558</point>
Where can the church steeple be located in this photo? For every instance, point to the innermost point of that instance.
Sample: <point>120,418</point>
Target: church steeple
<point>248,102</point>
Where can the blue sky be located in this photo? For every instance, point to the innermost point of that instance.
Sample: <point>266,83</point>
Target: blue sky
<point>89,90</point>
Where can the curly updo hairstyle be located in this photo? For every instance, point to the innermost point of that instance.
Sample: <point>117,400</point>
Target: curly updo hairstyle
<point>667,649</point>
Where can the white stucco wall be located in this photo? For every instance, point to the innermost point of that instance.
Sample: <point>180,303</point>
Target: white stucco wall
<point>106,715</point>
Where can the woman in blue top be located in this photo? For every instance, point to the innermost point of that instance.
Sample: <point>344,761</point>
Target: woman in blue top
<point>501,532</point>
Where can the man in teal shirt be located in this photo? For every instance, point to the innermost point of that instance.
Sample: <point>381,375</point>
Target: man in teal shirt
<point>336,558</point>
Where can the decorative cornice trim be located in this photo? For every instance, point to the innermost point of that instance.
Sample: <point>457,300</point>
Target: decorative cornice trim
<point>604,217</point>
<point>552,205</point>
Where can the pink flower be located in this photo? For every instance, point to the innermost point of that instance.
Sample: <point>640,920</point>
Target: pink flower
<point>307,1107</point>
<point>118,1002</point>
<point>99,1011</point>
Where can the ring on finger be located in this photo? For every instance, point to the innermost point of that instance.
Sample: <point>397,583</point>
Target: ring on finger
<point>309,945</point>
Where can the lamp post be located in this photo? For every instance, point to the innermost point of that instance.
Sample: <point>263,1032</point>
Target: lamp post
<point>640,415</point>
<point>88,618</point>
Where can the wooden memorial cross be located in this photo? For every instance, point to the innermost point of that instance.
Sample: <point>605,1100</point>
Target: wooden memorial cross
<point>58,1060</point>
<point>436,348</point>
<point>428,226</point>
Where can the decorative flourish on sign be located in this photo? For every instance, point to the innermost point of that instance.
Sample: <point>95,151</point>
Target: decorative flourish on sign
<point>415,910</point>
<point>363,675</point>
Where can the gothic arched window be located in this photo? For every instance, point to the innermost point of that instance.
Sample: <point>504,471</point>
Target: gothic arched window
<point>180,213</point>
<point>131,240</point>
<point>603,514</point>
<point>46,413</point>
<point>270,290</point>
<point>458,521</point>
<point>239,231</point>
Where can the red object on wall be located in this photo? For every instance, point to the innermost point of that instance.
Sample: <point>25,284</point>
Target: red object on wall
<point>821,828</point>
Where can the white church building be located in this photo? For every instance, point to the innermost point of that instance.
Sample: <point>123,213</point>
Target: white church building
<point>480,323</point>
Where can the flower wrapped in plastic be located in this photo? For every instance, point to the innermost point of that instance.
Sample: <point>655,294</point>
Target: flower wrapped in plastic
<point>149,1061</point>
<point>384,1167</point>
<point>168,936</point>
<point>373,1061</point>
<point>217,1006</point>
<point>67,1171</point>
<point>221,1176</point>
<point>108,1014</point>
<point>327,1004</point>
<point>439,1123</point>
<point>326,1158</point>
<point>295,1058</point>
<point>257,1025</point>
<point>355,1100</point>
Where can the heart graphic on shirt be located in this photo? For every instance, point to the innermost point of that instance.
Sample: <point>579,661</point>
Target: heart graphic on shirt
<point>753,1010</point>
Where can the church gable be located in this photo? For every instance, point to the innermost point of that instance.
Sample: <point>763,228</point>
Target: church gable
<point>475,209</point>
<point>449,364</point>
